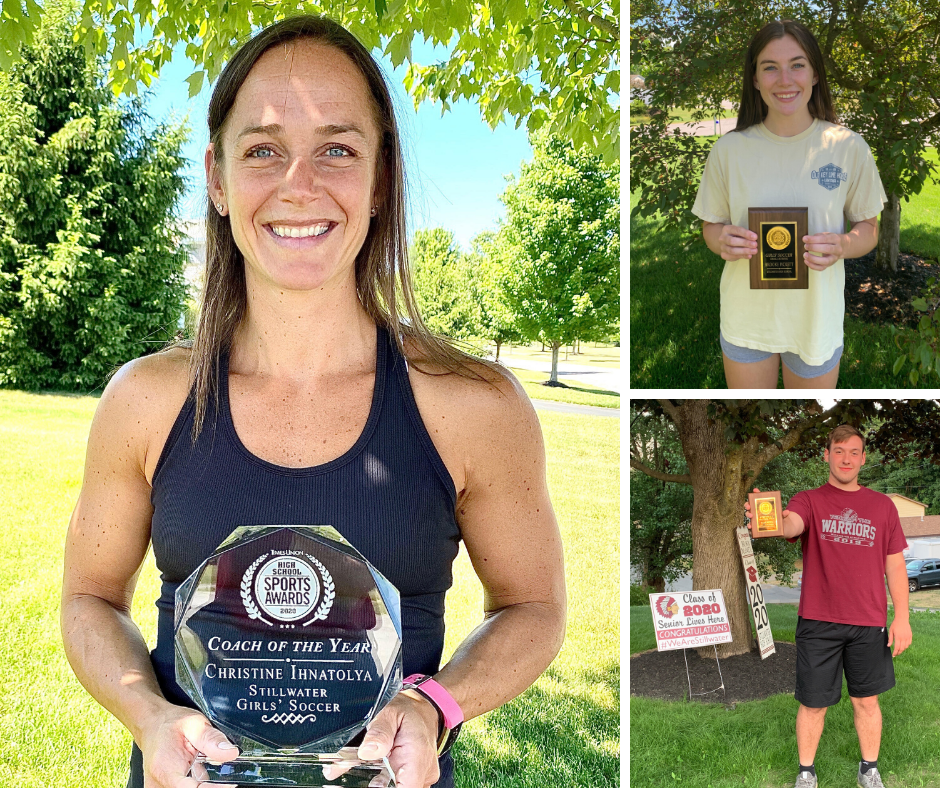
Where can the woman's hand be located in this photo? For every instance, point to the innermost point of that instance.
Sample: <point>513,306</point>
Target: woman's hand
<point>828,249</point>
<point>171,744</point>
<point>406,732</point>
<point>729,241</point>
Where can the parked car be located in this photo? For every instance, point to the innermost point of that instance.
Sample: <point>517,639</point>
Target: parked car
<point>923,572</point>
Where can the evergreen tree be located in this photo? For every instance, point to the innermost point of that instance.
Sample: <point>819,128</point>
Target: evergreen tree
<point>91,259</point>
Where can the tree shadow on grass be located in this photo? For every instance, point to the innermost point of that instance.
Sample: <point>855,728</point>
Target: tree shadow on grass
<point>674,310</point>
<point>586,390</point>
<point>548,736</point>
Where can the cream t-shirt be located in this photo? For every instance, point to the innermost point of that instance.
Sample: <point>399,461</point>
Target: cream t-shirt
<point>827,168</point>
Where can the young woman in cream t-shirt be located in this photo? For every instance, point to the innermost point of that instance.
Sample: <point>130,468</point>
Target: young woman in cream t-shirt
<point>787,149</point>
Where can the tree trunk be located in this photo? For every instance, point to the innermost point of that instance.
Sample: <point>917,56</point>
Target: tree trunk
<point>554,377</point>
<point>498,343</point>
<point>717,509</point>
<point>889,234</point>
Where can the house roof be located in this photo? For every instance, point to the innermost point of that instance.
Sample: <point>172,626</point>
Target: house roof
<point>928,525</point>
<point>898,495</point>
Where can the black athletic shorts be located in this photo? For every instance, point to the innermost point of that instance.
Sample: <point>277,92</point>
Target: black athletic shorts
<point>824,649</point>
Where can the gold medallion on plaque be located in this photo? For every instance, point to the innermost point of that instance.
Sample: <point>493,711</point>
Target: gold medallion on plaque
<point>779,262</point>
<point>767,513</point>
<point>778,237</point>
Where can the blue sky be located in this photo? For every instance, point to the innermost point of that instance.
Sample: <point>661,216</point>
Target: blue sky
<point>455,163</point>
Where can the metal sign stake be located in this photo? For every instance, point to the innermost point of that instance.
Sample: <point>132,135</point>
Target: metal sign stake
<point>689,676</point>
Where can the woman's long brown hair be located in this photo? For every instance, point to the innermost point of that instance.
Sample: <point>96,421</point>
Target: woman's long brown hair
<point>753,109</point>
<point>383,278</point>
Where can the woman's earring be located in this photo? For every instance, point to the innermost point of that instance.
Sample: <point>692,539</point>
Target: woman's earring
<point>218,205</point>
<point>374,211</point>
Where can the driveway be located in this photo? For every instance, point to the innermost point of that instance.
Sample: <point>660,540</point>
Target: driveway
<point>706,128</point>
<point>772,593</point>
<point>583,410</point>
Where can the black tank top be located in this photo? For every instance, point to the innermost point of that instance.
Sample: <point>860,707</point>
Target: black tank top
<point>390,495</point>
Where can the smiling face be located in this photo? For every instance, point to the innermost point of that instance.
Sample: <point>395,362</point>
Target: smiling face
<point>297,175</point>
<point>785,80</point>
<point>845,461</point>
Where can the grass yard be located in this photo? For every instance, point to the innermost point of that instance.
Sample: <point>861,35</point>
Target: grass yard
<point>563,731</point>
<point>674,307</point>
<point>920,218</point>
<point>707,745</point>
<point>576,393</point>
<point>925,597</point>
<point>680,116</point>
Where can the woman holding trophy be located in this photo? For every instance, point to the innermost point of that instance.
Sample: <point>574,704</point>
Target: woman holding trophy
<point>787,150</point>
<point>313,394</point>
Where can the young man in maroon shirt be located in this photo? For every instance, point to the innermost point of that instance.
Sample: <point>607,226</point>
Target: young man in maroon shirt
<point>852,540</point>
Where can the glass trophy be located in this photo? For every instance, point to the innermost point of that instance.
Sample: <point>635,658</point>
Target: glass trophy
<point>289,641</point>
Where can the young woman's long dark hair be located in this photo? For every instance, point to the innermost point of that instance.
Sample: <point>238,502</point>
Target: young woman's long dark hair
<point>753,109</point>
<point>383,278</point>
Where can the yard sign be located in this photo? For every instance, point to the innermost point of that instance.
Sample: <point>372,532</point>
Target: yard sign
<point>690,619</point>
<point>755,595</point>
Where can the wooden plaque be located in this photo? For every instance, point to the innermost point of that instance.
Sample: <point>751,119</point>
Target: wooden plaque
<point>779,263</point>
<point>766,514</point>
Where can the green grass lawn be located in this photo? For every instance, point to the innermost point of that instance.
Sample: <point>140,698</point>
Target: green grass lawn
<point>708,745</point>
<point>575,393</point>
<point>563,731</point>
<point>674,307</point>
<point>920,219</point>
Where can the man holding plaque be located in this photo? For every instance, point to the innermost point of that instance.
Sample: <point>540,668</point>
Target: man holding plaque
<point>851,540</point>
<point>801,175</point>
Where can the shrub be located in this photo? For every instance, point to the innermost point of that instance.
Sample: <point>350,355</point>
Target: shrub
<point>639,594</point>
<point>91,260</point>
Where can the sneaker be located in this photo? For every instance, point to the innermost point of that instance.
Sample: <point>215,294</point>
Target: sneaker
<point>871,779</point>
<point>805,780</point>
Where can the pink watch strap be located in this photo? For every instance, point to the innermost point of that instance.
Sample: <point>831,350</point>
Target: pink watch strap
<point>450,710</point>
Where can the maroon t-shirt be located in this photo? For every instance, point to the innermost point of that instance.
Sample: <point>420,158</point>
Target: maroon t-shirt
<point>847,538</point>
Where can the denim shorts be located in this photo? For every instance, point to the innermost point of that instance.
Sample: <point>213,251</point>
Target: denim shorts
<point>796,365</point>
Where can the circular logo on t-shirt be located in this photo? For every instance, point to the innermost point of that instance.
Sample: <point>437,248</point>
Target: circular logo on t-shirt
<point>778,237</point>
